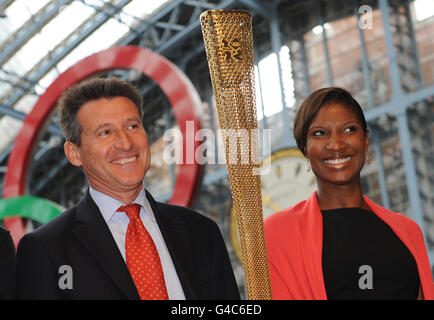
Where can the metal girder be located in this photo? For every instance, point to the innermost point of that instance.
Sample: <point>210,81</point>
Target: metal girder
<point>20,116</point>
<point>3,6</point>
<point>11,112</point>
<point>321,21</point>
<point>174,31</point>
<point>259,7</point>
<point>366,67</point>
<point>159,35</point>
<point>66,46</point>
<point>8,111</point>
<point>50,175</point>
<point>148,24</point>
<point>170,26</point>
<point>190,29</point>
<point>20,37</point>
<point>406,48</point>
<point>5,154</point>
<point>5,3</point>
<point>400,113</point>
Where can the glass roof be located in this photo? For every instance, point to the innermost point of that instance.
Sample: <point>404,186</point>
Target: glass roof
<point>19,25</point>
<point>21,16</point>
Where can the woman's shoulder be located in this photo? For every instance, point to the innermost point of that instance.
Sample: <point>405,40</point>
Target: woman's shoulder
<point>392,217</point>
<point>288,215</point>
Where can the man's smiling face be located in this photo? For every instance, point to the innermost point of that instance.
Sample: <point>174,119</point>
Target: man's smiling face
<point>114,151</point>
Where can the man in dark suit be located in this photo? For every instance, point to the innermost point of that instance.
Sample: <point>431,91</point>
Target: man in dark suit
<point>7,265</point>
<point>118,242</point>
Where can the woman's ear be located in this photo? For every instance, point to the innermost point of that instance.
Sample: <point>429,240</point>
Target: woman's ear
<point>367,139</point>
<point>72,153</point>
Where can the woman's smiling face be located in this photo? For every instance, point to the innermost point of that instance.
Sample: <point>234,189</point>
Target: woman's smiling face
<point>336,145</point>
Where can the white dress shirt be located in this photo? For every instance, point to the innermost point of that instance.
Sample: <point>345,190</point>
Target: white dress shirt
<point>118,223</point>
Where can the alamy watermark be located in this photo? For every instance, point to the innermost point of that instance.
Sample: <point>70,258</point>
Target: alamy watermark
<point>244,147</point>
<point>366,19</point>
<point>367,278</point>
<point>66,278</point>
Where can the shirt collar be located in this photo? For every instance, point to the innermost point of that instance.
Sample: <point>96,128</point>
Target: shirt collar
<point>108,205</point>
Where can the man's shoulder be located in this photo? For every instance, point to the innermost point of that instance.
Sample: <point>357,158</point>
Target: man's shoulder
<point>55,229</point>
<point>6,239</point>
<point>4,233</point>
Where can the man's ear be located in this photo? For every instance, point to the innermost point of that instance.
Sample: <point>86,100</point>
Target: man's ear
<point>72,153</point>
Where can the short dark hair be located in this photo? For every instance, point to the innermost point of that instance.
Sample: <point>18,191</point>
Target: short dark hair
<point>311,105</point>
<point>77,95</point>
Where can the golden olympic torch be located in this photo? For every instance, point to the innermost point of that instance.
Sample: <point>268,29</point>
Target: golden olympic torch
<point>228,42</point>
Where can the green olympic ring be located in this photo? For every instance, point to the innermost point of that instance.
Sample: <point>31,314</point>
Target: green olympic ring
<point>30,207</point>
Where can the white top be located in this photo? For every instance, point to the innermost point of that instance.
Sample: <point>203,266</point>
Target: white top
<point>118,224</point>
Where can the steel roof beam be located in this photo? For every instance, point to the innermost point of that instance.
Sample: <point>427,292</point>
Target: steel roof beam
<point>67,45</point>
<point>180,32</point>
<point>188,30</point>
<point>21,36</point>
<point>173,34</point>
<point>48,62</point>
<point>258,7</point>
<point>50,176</point>
<point>8,111</point>
<point>4,4</point>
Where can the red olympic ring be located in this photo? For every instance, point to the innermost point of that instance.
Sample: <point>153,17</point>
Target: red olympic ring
<point>176,86</point>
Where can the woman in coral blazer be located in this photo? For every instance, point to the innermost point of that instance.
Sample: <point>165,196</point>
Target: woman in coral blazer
<point>338,244</point>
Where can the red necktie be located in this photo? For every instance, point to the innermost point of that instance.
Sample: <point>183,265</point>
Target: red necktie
<point>142,257</point>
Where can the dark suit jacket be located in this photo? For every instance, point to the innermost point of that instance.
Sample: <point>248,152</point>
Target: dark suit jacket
<point>81,239</point>
<point>7,265</point>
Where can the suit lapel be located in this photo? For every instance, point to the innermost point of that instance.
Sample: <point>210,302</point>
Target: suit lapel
<point>95,235</point>
<point>177,240</point>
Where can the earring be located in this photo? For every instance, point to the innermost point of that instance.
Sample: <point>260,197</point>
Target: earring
<point>308,165</point>
<point>367,159</point>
